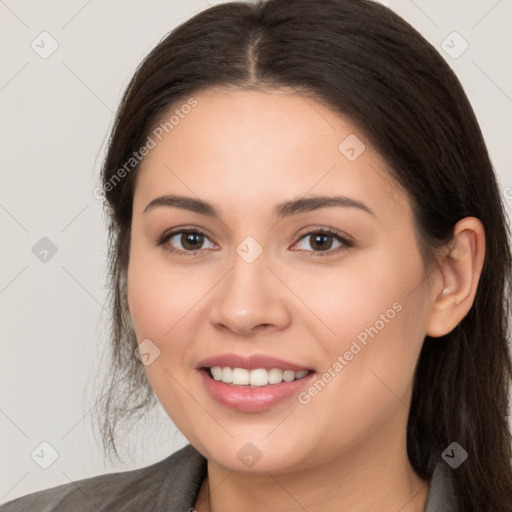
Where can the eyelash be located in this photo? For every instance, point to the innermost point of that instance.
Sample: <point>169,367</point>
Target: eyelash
<point>320,231</point>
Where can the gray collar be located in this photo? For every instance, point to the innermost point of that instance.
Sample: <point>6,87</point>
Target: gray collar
<point>441,497</point>
<point>171,484</point>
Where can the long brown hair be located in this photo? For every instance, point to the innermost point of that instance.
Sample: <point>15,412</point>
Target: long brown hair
<point>364,61</point>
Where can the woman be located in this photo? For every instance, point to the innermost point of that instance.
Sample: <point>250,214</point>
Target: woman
<point>309,255</point>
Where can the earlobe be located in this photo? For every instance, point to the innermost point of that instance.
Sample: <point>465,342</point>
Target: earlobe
<point>460,267</point>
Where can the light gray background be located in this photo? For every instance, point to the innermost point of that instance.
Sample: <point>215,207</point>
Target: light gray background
<point>56,114</point>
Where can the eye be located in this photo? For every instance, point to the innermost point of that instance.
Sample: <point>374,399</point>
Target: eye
<point>191,241</point>
<point>322,240</point>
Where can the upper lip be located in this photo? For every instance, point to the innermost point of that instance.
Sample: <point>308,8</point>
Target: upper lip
<point>249,362</point>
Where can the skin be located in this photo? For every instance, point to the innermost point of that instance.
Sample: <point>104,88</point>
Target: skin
<point>246,151</point>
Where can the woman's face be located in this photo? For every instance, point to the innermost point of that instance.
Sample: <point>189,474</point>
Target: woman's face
<point>263,279</point>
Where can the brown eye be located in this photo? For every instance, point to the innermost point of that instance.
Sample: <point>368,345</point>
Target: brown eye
<point>184,241</point>
<point>191,241</point>
<point>322,241</point>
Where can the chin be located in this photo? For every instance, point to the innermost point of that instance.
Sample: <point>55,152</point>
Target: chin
<point>252,456</point>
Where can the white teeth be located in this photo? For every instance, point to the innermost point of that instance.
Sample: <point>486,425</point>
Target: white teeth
<point>240,377</point>
<point>227,375</point>
<point>288,375</point>
<point>216,372</point>
<point>256,377</point>
<point>275,376</point>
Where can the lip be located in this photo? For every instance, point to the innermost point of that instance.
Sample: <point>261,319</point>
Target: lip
<point>248,398</point>
<point>250,362</point>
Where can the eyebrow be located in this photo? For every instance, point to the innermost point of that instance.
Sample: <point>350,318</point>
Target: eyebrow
<point>281,210</point>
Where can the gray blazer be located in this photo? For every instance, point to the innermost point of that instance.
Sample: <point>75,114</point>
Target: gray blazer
<point>170,485</point>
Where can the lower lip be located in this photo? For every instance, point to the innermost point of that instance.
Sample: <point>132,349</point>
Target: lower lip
<point>252,399</point>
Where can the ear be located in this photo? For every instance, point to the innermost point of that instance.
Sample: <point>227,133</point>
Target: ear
<point>454,292</point>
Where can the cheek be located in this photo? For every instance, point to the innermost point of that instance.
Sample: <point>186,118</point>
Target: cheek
<point>376,318</point>
<point>362,295</point>
<point>160,304</point>
<point>369,367</point>
<point>158,308</point>
<point>159,297</point>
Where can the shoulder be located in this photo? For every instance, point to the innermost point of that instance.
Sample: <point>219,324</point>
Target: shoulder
<point>170,484</point>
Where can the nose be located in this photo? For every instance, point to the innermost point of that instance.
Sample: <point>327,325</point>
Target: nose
<point>249,300</point>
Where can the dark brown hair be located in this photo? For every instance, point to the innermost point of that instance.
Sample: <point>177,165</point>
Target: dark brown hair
<point>367,63</point>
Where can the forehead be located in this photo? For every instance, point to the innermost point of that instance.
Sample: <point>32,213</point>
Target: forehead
<point>245,146</point>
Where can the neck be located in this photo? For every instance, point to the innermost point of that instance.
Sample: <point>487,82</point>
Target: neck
<point>375,477</point>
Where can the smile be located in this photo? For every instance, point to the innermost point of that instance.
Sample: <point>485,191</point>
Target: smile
<point>256,377</point>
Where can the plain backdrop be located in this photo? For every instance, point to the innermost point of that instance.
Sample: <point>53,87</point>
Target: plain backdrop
<point>56,112</point>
